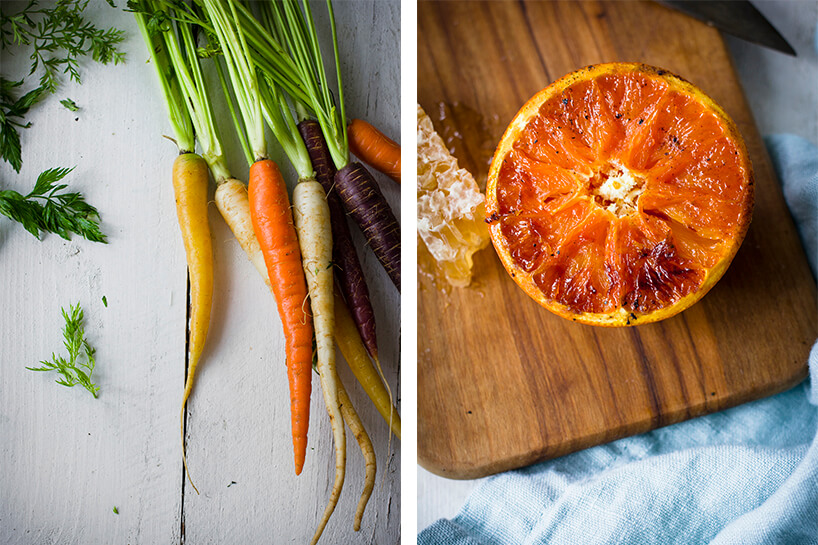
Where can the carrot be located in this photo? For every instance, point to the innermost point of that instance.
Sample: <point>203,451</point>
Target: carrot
<point>355,355</point>
<point>234,206</point>
<point>272,223</point>
<point>357,428</point>
<point>233,203</point>
<point>312,223</point>
<point>364,201</point>
<point>270,215</point>
<point>311,215</point>
<point>348,271</point>
<point>190,185</point>
<point>374,148</point>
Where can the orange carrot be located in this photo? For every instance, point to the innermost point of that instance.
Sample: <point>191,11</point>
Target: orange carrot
<point>374,148</point>
<point>273,224</point>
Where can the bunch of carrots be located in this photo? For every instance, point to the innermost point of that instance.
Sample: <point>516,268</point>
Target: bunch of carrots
<point>271,71</point>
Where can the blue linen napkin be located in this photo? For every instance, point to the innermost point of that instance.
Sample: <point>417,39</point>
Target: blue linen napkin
<point>744,476</point>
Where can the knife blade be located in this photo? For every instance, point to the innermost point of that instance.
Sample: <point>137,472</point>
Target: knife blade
<point>737,17</point>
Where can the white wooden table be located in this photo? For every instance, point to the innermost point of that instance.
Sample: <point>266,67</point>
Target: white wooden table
<point>66,459</point>
<point>781,92</point>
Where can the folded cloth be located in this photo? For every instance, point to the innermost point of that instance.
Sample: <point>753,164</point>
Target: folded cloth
<point>796,162</point>
<point>747,475</point>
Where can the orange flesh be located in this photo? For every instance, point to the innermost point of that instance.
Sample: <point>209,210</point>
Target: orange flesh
<point>687,207</point>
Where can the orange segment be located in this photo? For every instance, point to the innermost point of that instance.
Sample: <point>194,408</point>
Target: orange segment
<point>655,274</point>
<point>576,275</point>
<point>551,142</point>
<point>532,184</point>
<point>619,195</point>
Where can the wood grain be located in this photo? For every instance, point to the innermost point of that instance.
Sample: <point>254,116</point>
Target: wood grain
<point>504,383</point>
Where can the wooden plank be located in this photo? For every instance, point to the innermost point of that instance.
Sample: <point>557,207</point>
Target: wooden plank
<point>238,428</point>
<point>67,459</point>
<point>506,383</point>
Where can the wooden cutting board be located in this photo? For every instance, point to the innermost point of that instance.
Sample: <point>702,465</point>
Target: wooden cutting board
<point>502,382</point>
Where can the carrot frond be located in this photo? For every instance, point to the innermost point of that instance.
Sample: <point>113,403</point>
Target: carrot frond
<point>242,71</point>
<point>295,27</point>
<point>177,111</point>
<point>343,121</point>
<point>276,112</point>
<point>231,106</point>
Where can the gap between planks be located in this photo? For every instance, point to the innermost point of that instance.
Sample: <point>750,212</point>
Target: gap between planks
<point>184,423</point>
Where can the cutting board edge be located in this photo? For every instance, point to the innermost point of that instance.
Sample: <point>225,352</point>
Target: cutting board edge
<point>492,467</point>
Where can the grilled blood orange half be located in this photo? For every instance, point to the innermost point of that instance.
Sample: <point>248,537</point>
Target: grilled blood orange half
<point>619,195</point>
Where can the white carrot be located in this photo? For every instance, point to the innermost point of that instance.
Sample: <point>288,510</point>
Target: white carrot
<point>311,215</point>
<point>234,206</point>
<point>358,430</point>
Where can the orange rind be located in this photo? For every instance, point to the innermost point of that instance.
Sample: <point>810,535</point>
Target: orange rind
<point>619,195</point>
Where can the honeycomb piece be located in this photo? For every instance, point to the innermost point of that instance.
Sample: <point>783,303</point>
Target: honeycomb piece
<point>450,207</point>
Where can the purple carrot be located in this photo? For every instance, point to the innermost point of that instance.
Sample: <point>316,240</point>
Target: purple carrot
<point>348,270</point>
<point>366,204</point>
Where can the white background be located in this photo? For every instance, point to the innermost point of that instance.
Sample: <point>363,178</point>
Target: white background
<point>67,459</point>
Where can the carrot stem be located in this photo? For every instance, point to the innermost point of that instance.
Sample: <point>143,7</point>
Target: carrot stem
<point>241,69</point>
<point>177,112</point>
<point>231,107</point>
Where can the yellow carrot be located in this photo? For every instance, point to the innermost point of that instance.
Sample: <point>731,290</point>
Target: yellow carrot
<point>349,341</point>
<point>190,176</point>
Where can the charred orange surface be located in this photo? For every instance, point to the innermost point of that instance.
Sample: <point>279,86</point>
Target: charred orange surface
<point>619,195</point>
